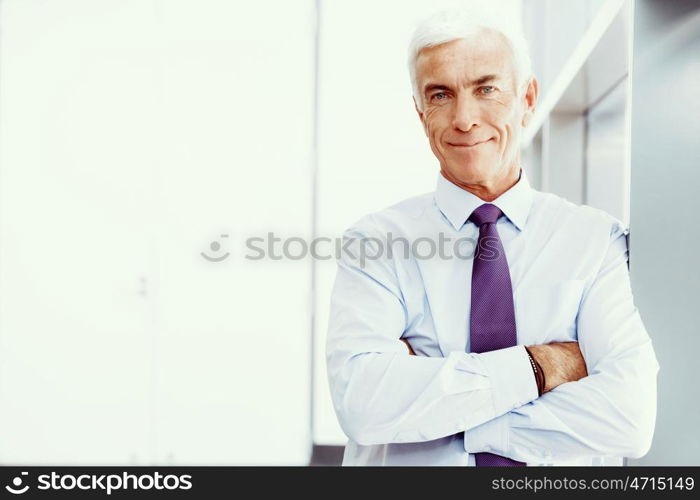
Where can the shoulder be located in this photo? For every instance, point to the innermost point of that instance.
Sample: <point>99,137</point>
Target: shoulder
<point>395,217</point>
<point>580,218</point>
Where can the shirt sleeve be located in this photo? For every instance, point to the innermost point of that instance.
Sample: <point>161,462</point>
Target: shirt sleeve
<point>610,412</point>
<point>380,393</point>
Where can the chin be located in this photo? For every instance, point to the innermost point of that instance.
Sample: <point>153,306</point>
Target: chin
<point>471,172</point>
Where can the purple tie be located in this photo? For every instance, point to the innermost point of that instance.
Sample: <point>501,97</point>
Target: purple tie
<point>492,323</point>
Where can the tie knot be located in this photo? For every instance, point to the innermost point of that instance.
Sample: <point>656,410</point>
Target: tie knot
<point>485,214</point>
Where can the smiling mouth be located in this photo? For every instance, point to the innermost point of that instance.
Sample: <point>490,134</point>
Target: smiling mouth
<point>467,145</point>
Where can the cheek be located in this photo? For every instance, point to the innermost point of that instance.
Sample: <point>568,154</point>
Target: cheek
<point>508,133</point>
<point>506,138</point>
<point>431,117</point>
<point>434,124</point>
<point>507,130</point>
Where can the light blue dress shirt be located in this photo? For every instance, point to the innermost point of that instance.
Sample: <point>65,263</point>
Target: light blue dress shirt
<point>568,267</point>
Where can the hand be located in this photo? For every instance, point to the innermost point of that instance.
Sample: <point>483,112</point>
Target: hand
<point>561,362</point>
<point>410,350</point>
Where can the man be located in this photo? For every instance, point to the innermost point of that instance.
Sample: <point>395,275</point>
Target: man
<point>528,350</point>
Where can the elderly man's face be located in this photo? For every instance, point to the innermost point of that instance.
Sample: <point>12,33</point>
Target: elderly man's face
<point>472,112</point>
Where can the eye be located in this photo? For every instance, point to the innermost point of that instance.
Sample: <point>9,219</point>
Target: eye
<point>438,96</point>
<point>487,89</point>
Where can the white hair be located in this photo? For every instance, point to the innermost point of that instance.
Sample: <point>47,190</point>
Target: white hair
<point>448,25</point>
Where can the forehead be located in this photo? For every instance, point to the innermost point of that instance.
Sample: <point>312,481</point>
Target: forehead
<point>485,53</point>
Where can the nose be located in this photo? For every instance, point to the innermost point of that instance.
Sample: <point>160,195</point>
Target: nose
<point>465,115</point>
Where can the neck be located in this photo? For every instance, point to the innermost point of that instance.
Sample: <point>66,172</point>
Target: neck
<point>490,189</point>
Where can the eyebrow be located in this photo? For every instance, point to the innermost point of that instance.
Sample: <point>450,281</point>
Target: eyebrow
<point>478,81</point>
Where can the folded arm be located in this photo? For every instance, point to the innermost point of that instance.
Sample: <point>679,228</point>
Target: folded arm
<point>381,394</point>
<point>610,412</point>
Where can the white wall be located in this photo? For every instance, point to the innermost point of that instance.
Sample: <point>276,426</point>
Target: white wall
<point>132,134</point>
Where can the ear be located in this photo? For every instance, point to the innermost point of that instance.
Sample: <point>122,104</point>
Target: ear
<point>530,100</point>
<point>421,116</point>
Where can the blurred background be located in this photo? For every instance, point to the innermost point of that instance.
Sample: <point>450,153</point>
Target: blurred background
<point>143,143</point>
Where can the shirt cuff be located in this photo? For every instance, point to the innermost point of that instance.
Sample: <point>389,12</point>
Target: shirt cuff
<point>490,437</point>
<point>513,383</point>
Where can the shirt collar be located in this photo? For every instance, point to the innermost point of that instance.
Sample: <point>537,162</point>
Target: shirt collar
<point>457,204</point>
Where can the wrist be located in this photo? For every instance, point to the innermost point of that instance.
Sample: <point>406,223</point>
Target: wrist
<point>538,372</point>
